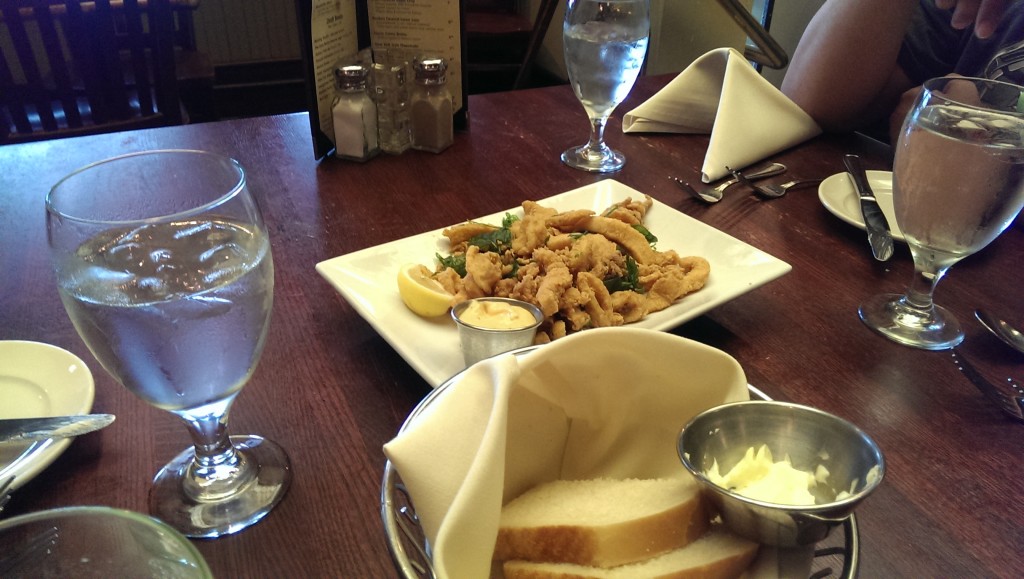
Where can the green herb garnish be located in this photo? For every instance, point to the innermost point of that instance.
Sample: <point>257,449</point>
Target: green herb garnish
<point>497,240</point>
<point>456,262</point>
<point>646,233</point>
<point>628,282</point>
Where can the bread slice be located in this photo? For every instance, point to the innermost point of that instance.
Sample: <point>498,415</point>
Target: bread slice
<point>601,522</point>
<point>717,555</point>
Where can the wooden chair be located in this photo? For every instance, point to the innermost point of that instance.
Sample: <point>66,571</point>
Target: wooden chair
<point>502,43</point>
<point>193,67</point>
<point>73,67</point>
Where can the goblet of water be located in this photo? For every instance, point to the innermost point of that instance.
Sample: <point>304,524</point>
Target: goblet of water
<point>958,182</point>
<point>605,43</point>
<point>164,267</point>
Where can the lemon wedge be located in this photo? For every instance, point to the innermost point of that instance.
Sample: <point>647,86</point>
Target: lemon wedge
<point>421,293</point>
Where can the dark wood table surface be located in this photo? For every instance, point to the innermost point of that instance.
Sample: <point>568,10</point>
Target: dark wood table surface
<point>332,392</point>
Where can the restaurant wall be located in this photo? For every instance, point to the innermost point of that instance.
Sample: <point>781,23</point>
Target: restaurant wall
<point>246,31</point>
<point>235,32</point>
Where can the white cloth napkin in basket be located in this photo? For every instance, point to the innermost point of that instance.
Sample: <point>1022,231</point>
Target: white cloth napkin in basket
<point>720,93</point>
<point>606,402</point>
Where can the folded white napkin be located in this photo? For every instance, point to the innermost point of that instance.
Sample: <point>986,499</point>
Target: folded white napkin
<point>720,93</point>
<point>606,402</point>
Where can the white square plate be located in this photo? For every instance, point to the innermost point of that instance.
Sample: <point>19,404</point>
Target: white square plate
<point>367,278</point>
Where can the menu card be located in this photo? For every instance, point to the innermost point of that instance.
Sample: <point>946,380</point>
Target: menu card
<point>336,32</point>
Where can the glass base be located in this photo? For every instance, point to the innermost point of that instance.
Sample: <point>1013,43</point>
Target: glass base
<point>891,316</point>
<point>605,160</point>
<point>207,519</point>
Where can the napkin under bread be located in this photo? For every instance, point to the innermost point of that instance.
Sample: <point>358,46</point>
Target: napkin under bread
<point>605,402</point>
<point>720,93</point>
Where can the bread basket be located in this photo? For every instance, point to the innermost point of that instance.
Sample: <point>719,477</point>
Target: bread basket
<point>837,556</point>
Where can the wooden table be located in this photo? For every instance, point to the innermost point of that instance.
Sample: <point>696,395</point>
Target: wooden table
<point>332,392</point>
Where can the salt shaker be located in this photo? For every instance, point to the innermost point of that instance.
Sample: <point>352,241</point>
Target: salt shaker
<point>432,128</point>
<point>354,114</point>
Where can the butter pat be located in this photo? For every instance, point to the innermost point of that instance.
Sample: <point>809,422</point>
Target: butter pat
<point>759,477</point>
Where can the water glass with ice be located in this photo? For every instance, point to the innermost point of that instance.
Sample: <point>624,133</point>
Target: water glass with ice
<point>605,43</point>
<point>163,264</point>
<point>958,182</point>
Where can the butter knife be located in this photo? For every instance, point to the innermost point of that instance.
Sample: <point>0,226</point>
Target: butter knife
<point>32,429</point>
<point>874,220</point>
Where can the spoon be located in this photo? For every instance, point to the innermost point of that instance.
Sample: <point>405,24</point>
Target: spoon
<point>1002,330</point>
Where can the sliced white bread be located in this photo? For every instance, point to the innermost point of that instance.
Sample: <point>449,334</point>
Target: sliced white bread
<point>601,522</point>
<point>717,555</point>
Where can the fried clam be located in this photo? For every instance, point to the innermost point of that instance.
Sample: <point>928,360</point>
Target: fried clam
<point>483,271</point>
<point>630,211</point>
<point>622,233</point>
<point>582,269</point>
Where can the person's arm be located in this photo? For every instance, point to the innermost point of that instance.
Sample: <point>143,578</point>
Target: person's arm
<point>844,72</point>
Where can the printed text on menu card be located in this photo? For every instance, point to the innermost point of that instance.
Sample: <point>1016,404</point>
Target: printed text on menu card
<point>411,28</point>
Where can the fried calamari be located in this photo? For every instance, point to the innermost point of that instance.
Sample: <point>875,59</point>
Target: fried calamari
<point>582,270</point>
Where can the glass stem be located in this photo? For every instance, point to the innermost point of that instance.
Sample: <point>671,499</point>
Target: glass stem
<point>922,286</point>
<point>218,469</point>
<point>596,144</point>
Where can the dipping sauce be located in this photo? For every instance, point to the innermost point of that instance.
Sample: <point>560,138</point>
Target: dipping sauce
<point>758,476</point>
<point>497,315</point>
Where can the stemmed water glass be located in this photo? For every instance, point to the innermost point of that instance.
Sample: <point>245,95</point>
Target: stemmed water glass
<point>164,267</point>
<point>958,182</point>
<point>605,42</point>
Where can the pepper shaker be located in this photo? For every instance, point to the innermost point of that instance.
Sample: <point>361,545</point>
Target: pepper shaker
<point>354,114</point>
<point>432,128</point>
<point>391,94</point>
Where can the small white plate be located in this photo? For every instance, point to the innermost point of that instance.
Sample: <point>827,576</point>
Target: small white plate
<point>367,279</point>
<point>838,195</point>
<point>39,380</point>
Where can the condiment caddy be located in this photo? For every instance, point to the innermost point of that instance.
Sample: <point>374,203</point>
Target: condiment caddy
<point>375,109</point>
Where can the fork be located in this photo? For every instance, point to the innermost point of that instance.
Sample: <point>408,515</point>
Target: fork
<point>707,198</point>
<point>5,495</point>
<point>772,191</point>
<point>28,554</point>
<point>714,194</point>
<point>1011,404</point>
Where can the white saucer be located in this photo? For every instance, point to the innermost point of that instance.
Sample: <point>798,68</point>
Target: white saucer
<point>39,380</point>
<point>838,195</point>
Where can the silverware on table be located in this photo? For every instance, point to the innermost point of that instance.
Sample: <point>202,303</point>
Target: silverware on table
<point>13,562</point>
<point>771,190</point>
<point>1010,404</point>
<point>5,491</point>
<point>689,189</point>
<point>1010,336</point>
<point>31,429</point>
<point>713,194</point>
<point>774,190</point>
<point>874,220</point>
